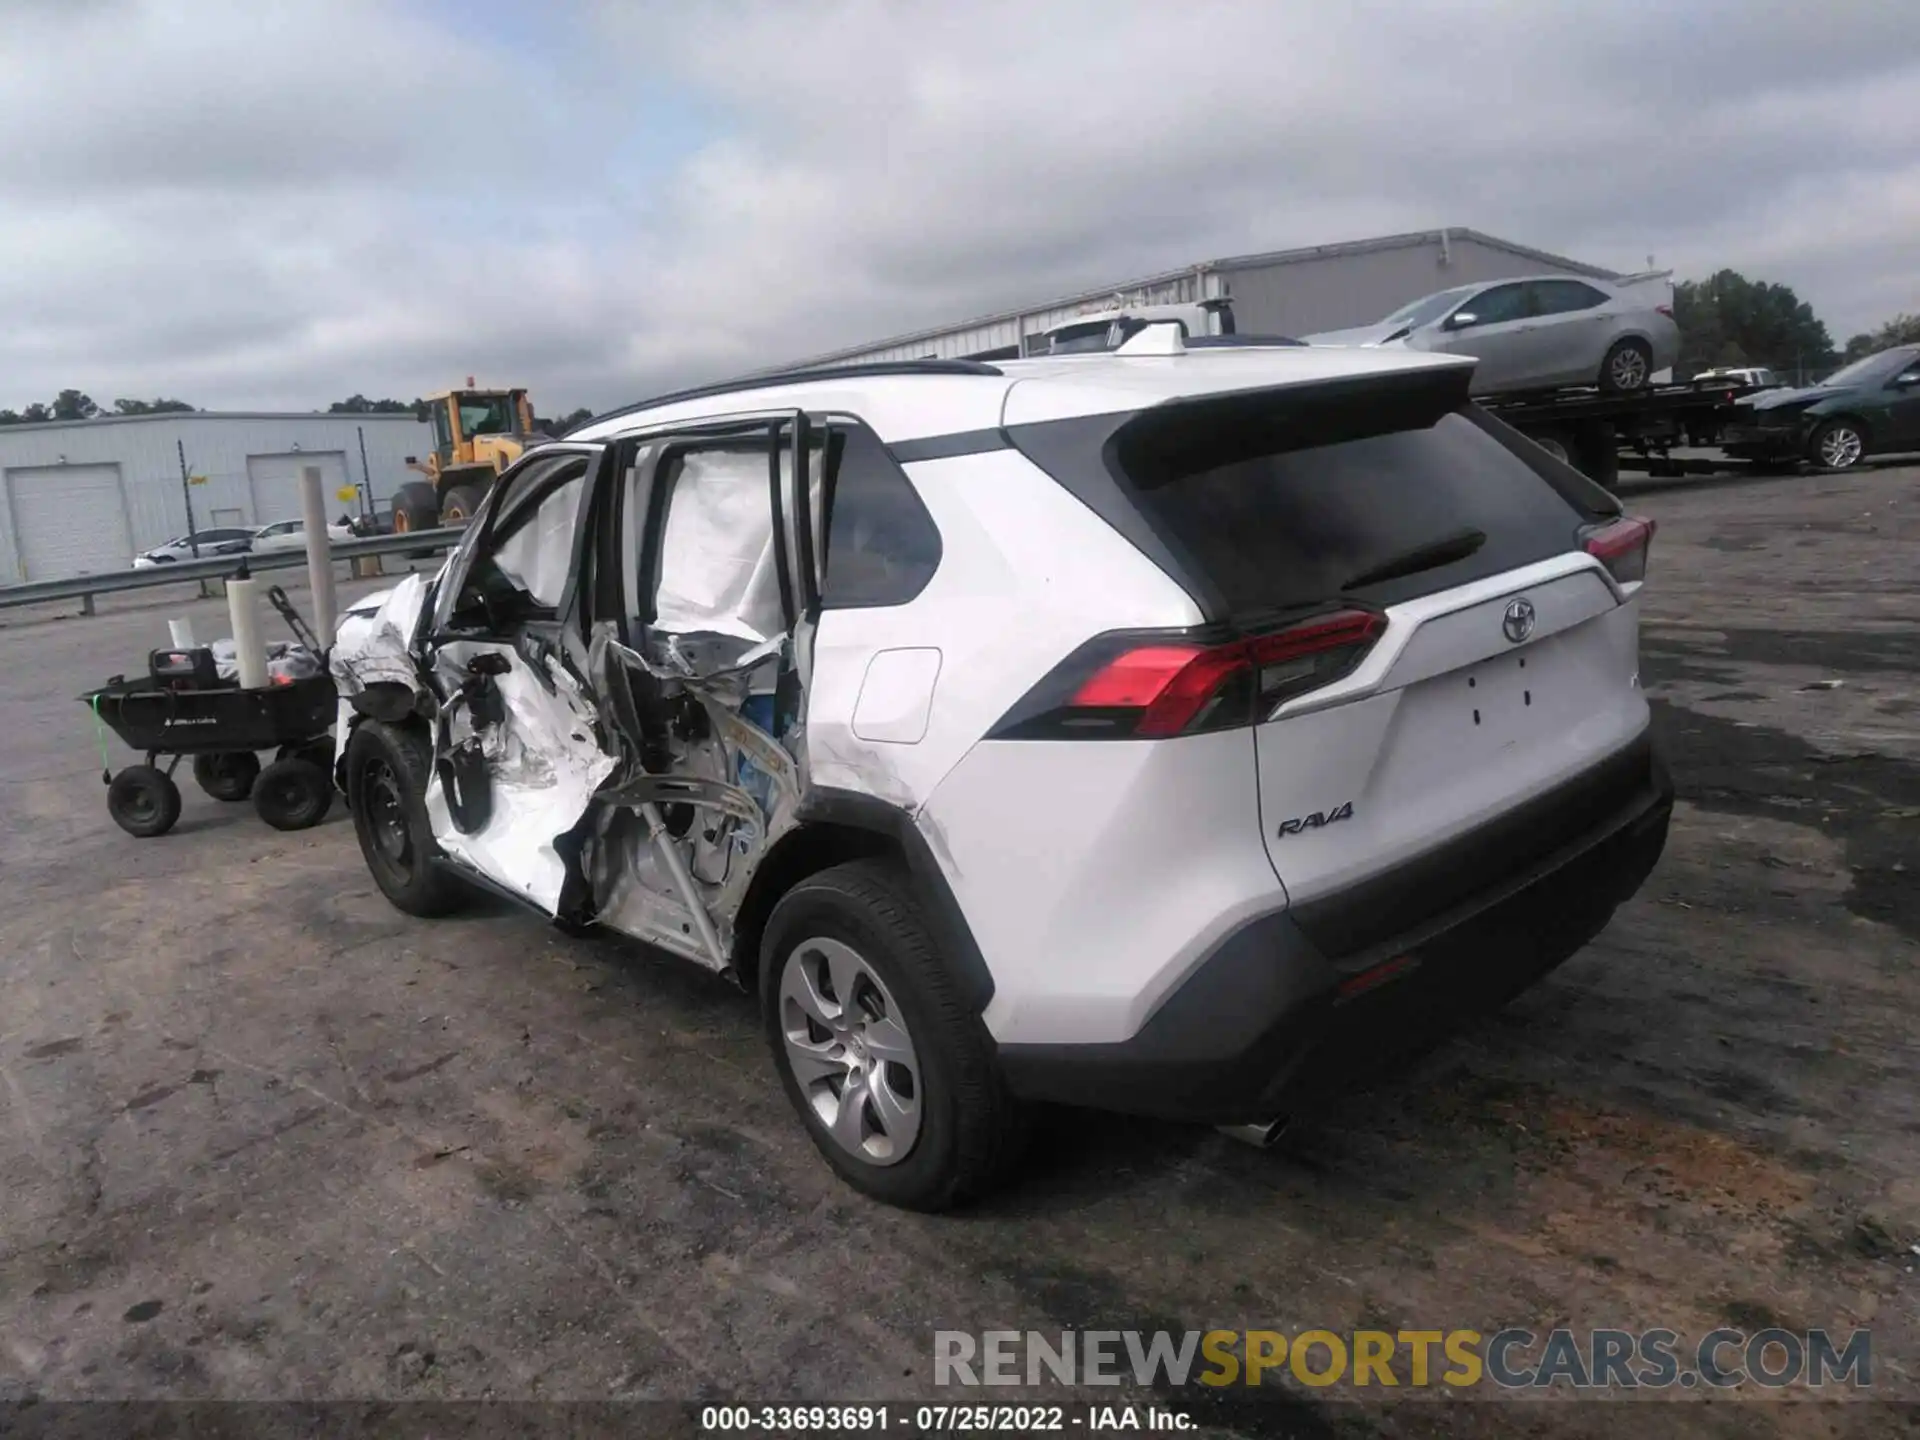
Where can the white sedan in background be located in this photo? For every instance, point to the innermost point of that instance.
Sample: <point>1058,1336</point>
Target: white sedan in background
<point>292,535</point>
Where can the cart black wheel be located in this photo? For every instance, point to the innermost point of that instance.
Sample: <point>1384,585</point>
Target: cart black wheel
<point>320,752</point>
<point>143,801</point>
<point>293,794</point>
<point>387,770</point>
<point>228,775</point>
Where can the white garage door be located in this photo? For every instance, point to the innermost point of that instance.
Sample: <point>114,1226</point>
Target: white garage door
<point>275,483</point>
<point>69,520</point>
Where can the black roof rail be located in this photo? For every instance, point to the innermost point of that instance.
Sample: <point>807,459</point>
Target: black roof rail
<point>1228,342</point>
<point>854,371</point>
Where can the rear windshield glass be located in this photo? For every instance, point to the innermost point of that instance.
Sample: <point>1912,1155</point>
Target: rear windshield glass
<point>1264,520</point>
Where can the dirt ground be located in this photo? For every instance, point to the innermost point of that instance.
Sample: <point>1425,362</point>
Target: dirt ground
<point>261,1136</point>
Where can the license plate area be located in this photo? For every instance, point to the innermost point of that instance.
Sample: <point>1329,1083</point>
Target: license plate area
<point>1501,699</point>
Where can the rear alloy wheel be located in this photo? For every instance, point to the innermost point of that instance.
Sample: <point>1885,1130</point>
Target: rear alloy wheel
<point>1839,445</point>
<point>1627,367</point>
<point>850,1052</point>
<point>892,1073</point>
<point>228,775</point>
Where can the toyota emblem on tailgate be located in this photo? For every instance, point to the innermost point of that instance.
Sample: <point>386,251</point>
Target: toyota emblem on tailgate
<point>1518,621</point>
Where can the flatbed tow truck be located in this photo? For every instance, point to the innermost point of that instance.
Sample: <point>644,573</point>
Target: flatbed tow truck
<point>1597,433</point>
<point>1600,435</point>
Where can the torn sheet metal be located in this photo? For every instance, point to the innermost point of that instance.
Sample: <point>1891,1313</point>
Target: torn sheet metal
<point>545,766</point>
<point>674,847</point>
<point>374,647</point>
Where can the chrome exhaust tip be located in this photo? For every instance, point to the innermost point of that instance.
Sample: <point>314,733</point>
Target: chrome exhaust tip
<point>1261,1136</point>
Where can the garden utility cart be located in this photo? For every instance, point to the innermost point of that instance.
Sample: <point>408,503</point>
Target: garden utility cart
<point>183,707</point>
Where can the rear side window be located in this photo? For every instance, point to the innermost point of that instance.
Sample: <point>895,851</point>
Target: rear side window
<point>882,547</point>
<point>1253,517</point>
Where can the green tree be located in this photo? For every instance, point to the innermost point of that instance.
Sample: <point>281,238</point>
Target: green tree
<point>37,414</point>
<point>151,407</point>
<point>361,405</point>
<point>1728,319</point>
<point>73,405</point>
<point>1901,330</point>
<point>9,417</point>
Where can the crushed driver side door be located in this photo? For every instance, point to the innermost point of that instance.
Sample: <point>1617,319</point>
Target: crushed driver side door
<point>517,752</point>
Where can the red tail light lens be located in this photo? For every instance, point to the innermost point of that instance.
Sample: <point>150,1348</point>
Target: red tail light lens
<point>1666,310</point>
<point>1621,546</point>
<point>1145,687</point>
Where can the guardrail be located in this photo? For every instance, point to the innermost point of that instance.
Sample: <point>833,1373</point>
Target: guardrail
<point>220,567</point>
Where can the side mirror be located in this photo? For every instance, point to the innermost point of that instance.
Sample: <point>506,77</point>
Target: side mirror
<point>1460,319</point>
<point>1907,380</point>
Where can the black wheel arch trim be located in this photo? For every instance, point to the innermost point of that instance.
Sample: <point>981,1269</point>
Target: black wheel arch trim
<point>828,805</point>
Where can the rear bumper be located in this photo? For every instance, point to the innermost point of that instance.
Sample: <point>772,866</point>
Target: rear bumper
<point>1267,1020</point>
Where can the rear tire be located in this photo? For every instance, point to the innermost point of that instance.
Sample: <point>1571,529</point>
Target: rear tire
<point>228,775</point>
<point>416,506</point>
<point>895,1081</point>
<point>143,801</point>
<point>1838,445</point>
<point>386,770</point>
<point>1627,367</point>
<point>293,794</point>
<point>460,503</point>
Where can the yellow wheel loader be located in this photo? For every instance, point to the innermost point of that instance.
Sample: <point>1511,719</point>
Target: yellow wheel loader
<point>476,435</point>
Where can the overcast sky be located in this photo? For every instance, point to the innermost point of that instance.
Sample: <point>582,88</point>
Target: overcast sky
<point>248,204</point>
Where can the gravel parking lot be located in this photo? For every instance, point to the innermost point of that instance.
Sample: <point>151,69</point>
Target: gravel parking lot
<point>263,1137</point>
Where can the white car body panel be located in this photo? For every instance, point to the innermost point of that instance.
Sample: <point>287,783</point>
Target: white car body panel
<point>1023,580</point>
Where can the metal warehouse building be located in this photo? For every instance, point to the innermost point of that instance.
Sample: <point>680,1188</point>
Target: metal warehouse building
<point>1283,292</point>
<point>85,496</point>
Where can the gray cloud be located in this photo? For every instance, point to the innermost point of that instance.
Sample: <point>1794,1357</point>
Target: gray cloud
<point>280,204</point>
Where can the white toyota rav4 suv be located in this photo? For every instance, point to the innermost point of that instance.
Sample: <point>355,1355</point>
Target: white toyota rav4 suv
<point>1167,732</point>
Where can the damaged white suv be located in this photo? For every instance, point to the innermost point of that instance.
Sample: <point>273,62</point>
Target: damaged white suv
<point>1151,730</point>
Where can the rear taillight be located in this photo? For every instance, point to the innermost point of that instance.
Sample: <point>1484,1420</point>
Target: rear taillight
<point>1621,545</point>
<point>1666,310</point>
<point>1153,686</point>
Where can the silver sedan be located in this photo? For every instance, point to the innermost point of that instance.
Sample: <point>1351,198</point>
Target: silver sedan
<point>1539,332</point>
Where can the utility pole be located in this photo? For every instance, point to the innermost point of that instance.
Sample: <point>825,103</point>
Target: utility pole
<point>366,475</point>
<point>186,493</point>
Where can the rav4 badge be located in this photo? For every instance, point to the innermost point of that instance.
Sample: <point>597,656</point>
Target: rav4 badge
<point>1314,821</point>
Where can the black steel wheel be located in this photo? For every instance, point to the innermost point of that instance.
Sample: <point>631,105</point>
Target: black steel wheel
<point>386,772</point>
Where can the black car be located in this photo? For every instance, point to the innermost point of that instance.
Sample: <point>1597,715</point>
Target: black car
<point>1870,407</point>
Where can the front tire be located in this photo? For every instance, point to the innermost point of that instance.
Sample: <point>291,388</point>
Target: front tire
<point>893,1076</point>
<point>387,769</point>
<point>1628,367</point>
<point>143,801</point>
<point>1838,445</point>
<point>416,506</point>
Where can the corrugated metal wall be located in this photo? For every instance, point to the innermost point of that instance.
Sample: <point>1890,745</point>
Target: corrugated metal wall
<point>1002,332</point>
<point>217,447</point>
<point>1295,292</point>
<point>1303,296</point>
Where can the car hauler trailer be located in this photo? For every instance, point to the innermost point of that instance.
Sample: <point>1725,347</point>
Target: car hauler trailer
<point>1600,434</point>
